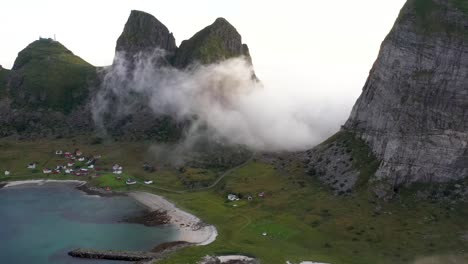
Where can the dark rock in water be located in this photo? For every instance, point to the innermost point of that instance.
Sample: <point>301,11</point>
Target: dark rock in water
<point>170,246</point>
<point>143,34</point>
<point>113,254</point>
<point>214,43</point>
<point>154,218</point>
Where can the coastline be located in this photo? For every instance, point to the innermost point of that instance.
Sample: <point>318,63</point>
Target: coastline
<point>39,182</point>
<point>191,228</point>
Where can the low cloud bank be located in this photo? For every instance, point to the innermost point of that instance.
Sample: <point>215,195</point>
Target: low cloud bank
<point>222,100</point>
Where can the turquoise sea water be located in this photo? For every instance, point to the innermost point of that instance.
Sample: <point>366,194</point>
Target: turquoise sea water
<point>41,224</point>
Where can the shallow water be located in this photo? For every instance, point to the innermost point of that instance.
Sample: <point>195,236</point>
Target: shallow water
<point>41,224</point>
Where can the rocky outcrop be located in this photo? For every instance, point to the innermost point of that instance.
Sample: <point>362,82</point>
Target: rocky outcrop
<point>413,108</point>
<point>217,42</point>
<point>144,34</point>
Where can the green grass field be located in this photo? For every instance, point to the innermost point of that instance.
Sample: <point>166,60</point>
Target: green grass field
<point>303,221</point>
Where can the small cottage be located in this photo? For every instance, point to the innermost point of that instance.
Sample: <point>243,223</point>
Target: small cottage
<point>7,173</point>
<point>232,197</point>
<point>32,165</point>
<point>47,171</point>
<point>117,167</point>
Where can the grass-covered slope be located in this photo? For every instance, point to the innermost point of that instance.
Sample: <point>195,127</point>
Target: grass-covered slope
<point>47,74</point>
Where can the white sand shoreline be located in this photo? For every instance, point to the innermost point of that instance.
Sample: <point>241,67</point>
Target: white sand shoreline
<point>191,228</point>
<point>40,182</point>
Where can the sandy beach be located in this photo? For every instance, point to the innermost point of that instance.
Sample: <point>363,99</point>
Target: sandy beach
<point>41,182</point>
<point>191,228</point>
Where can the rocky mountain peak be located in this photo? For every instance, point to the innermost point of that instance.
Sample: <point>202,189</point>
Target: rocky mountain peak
<point>144,33</point>
<point>216,42</point>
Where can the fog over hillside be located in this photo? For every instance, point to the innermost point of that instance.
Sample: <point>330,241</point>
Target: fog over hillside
<point>223,98</point>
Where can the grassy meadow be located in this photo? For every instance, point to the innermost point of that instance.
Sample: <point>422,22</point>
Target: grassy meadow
<point>301,218</point>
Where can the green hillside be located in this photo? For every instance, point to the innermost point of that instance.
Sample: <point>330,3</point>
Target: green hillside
<point>47,74</point>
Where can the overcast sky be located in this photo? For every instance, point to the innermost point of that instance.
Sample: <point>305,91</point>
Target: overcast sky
<point>314,51</point>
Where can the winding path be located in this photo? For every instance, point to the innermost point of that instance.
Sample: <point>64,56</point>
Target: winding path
<point>220,178</point>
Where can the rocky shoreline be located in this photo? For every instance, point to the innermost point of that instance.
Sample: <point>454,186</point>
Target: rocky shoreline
<point>150,218</point>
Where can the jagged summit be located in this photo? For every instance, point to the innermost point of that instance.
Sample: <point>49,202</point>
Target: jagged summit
<point>216,42</point>
<point>144,33</point>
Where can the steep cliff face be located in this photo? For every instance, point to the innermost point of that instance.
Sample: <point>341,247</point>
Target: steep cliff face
<point>143,33</point>
<point>4,73</point>
<point>413,110</point>
<point>217,42</point>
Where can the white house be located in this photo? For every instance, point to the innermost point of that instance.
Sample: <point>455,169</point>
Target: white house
<point>117,167</point>
<point>58,152</point>
<point>47,171</point>
<point>7,173</point>
<point>70,164</point>
<point>91,166</point>
<point>32,165</point>
<point>118,172</point>
<point>232,197</point>
<point>148,182</point>
<point>81,159</point>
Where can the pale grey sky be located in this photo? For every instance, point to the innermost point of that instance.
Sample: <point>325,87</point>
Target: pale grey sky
<point>316,52</point>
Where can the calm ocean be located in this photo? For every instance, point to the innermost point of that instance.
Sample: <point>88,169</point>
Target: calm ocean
<point>41,224</point>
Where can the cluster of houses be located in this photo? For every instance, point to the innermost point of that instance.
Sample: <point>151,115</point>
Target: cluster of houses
<point>233,197</point>
<point>117,169</point>
<point>71,166</point>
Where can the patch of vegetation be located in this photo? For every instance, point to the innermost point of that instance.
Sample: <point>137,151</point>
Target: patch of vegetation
<point>430,17</point>
<point>47,74</point>
<point>206,46</point>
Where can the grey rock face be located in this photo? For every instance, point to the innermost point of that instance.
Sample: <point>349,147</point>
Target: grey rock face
<point>413,110</point>
<point>144,33</point>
